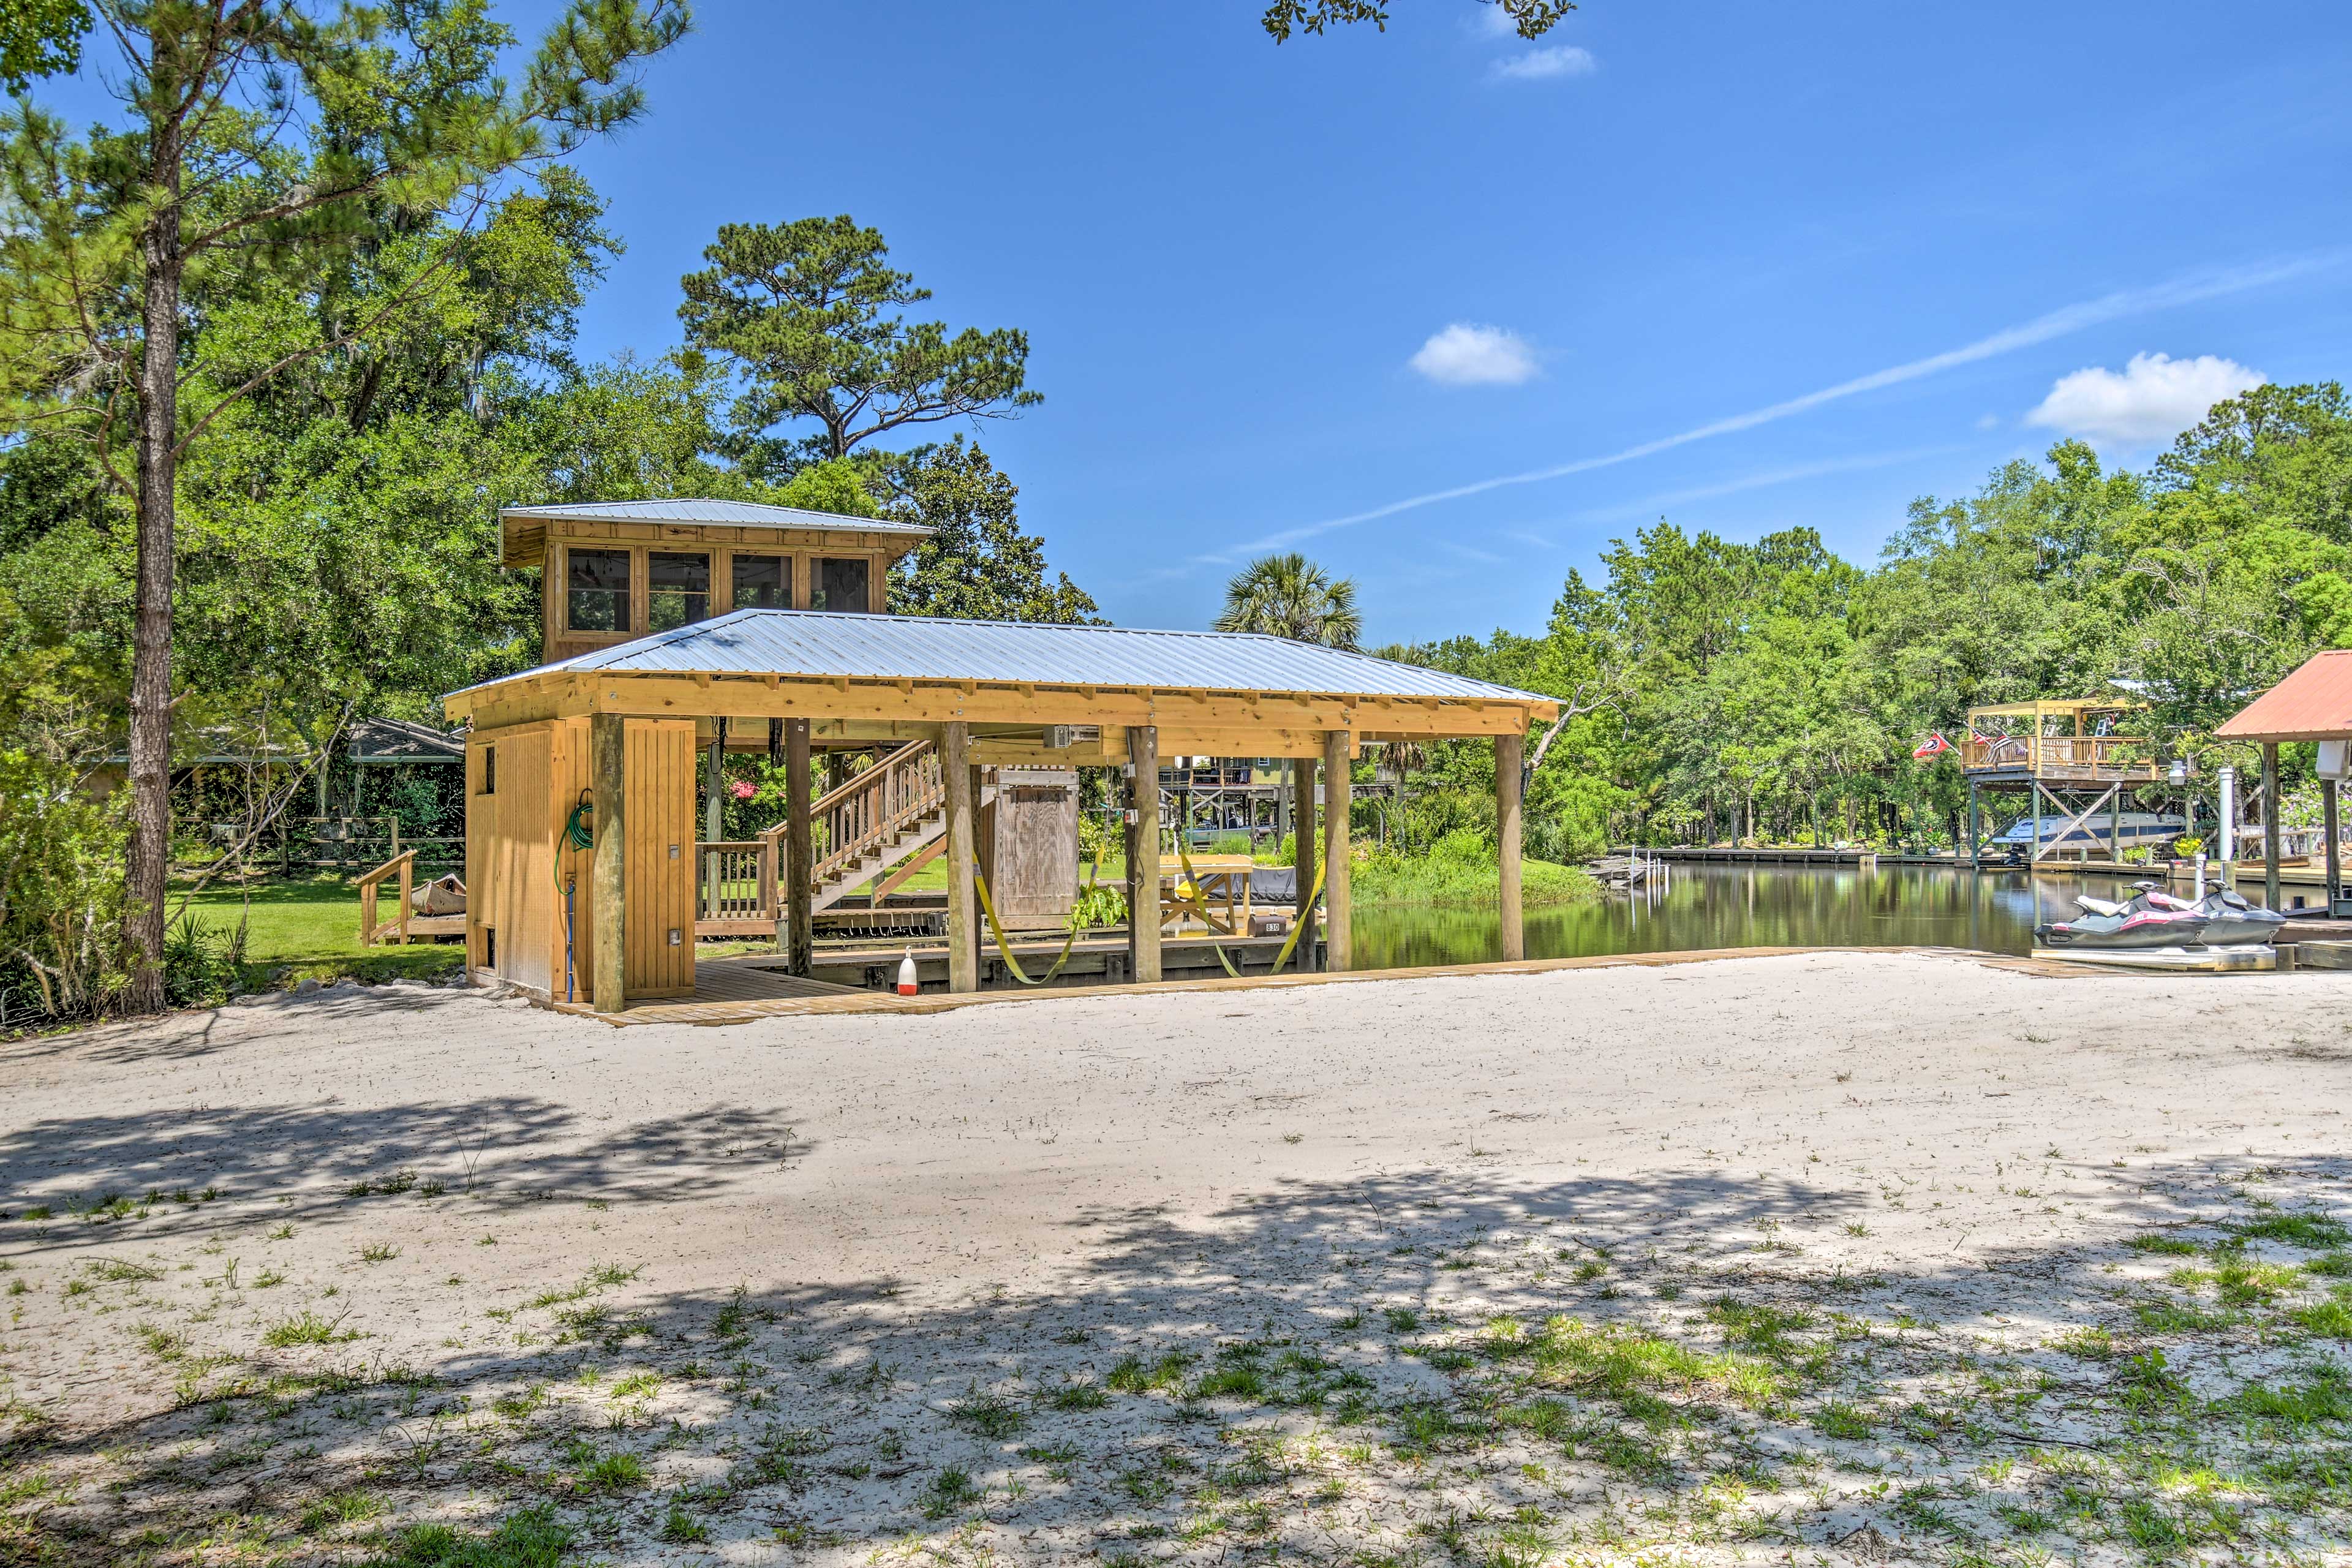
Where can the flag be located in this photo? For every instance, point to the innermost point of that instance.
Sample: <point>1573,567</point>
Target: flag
<point>1927,748</point>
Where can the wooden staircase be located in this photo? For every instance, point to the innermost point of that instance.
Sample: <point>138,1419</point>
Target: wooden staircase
<point>895,809</point>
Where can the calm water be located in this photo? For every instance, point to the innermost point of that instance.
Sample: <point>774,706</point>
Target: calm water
<point>1750,906</point>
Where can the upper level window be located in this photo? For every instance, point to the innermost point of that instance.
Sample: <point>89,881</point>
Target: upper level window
<point>839,584</point>
<point>677,589</point>
<point>596,590</point>
<point>763,583</point>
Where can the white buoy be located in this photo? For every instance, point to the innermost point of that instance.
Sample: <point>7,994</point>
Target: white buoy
<point>908,983</point>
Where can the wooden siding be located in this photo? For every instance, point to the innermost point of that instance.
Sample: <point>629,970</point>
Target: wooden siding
<point>514,869</point>
<point>659,770</point>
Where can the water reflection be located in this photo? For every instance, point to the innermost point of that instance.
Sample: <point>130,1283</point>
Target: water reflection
<point>1750,906</point>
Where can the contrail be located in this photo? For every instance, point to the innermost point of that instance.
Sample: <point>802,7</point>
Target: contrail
<point>2186,289</point>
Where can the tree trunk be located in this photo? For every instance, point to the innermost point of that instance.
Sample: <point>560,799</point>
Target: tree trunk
<point>151,636</point>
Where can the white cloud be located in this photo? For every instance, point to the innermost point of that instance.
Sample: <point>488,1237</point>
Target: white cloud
<point>1491,21</point>
<point>1466,355</point>
<point>2149,401</point>
<point>1547,65</point>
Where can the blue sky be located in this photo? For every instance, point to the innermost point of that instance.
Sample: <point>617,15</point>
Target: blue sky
<point>1230,255</point>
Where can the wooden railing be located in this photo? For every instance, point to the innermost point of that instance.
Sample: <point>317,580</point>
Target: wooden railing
<point>403,866</point>
<point>863,816</point>
<point>735,887</point>
<point>2108,756</point>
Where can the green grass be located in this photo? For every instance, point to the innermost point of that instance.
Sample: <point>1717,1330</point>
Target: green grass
<point>1459,873</point>
<point>309,925</point>
<point>530,1539</point>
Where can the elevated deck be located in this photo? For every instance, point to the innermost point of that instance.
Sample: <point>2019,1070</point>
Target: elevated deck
<point>2016,745</point>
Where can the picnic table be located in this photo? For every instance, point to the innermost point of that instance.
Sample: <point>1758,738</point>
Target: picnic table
<point>1221,880</point>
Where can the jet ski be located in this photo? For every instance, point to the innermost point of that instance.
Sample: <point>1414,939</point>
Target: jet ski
<point>2231,922</point>
<point>2150,918</point>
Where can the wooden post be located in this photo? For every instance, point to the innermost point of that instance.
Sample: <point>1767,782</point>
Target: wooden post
<point>608,924</point>
<point>2328,800</point>
<point>1509,752</point>
<point>1302,832</point>
<point>1337,780</point>
<point>1143,857</point>
<point>799,920</point>
<point>1973,861</point>
<point>713,818</point>
<point>2269,825</point>
<point>963,938</point>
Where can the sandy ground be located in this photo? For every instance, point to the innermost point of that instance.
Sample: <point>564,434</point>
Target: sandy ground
<point>1382,1273</point>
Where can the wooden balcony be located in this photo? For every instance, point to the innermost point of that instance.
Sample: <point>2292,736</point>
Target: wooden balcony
<point>2079,752</point>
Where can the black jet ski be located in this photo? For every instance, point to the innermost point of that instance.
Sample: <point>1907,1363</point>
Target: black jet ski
<point>2231,922</point>
<point>2150,918</point>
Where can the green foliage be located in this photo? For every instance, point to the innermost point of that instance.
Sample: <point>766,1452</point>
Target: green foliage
<point>1290,597</point>
<point>977,563</point>
<point>805,313</point>
<point>1097,906</point>
<point>40,37</point>
<point>1459,872</point>
<point>1531,18</point>
<point>61,893</point>
<point>533,1538</point>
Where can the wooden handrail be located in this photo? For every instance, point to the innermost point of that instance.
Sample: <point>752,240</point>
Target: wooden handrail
<point>403,865</point>
<point>867,813</point>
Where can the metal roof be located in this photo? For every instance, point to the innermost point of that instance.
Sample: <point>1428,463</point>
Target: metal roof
<point>912,648</point>
<point>742,513</point>
<point>2315,703</point>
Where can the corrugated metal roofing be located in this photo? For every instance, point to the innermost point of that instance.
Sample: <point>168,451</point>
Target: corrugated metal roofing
<point>738,512</point>
<point>2313,703</point>
<point>912,648</point>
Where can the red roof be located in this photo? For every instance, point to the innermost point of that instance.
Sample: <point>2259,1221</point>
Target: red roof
<point>2315,703</point>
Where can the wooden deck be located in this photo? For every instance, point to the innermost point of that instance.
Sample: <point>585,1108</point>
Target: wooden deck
<point>732,991</point>
<point>812,998</point>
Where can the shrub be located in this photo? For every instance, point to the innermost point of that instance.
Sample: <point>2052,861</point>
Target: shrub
<point>61,889</point>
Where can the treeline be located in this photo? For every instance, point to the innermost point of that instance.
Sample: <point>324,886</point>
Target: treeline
<point>1774,690</point>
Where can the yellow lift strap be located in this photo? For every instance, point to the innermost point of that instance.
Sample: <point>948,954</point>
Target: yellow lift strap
<point>1004,949</point>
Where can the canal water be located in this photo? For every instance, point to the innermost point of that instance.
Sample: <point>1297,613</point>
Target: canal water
<point>1749,906</point>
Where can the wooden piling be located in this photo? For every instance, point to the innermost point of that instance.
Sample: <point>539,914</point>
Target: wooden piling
<point>963,935</point>
<point>607,751</point>
<point>1302,832</point>
<point>1143,854</point>
<point>1337,792</point>
<point>1509,751</point>
<point>799,913</point>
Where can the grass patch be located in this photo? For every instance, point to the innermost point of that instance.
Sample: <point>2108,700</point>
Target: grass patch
<point>2163,1246</point>
<point>1838,1419</point>
<point>533,1538</point>
<point>2305,1229</point>
<point>1459,872</point>
<point>951,1491</point>
<point>989,1414</point>
<point>2331,1319</point>
<point>306,1327</point>
<point>310,927</point>
<point>1625,1364</point>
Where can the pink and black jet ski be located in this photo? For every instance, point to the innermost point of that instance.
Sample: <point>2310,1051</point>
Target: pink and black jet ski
<point>2231,922</point>
<point>2150,918</point>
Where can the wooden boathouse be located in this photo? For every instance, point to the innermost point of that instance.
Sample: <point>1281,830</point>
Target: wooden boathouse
<point>607,742</point>
<point>2070,757</point>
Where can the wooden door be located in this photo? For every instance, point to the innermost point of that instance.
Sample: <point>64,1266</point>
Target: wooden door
<point>658,767</point>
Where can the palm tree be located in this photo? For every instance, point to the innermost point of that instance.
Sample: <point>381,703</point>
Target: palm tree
<point>1290,597</point>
